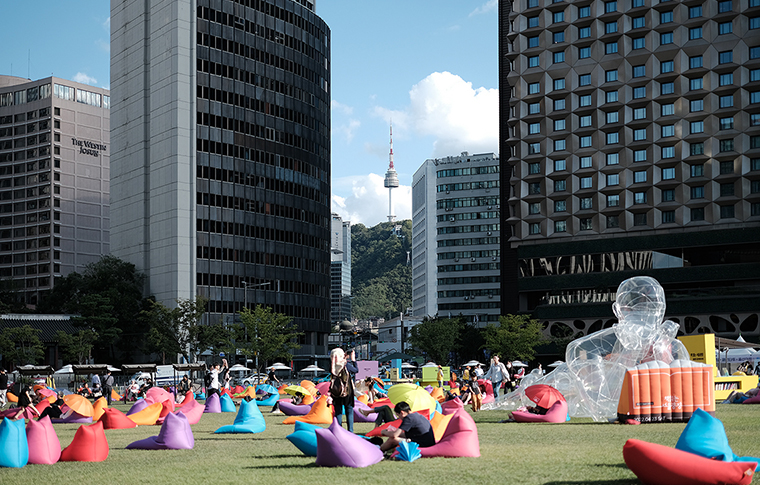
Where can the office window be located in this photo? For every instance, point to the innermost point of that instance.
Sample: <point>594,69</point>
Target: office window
<point>611,76</point>
<point>726,101</point>
<point>534,128</point>
<point>610,27</point>
<point>697,127</point>
<point>534,148</point>
<point>726,79</point>
<point>533,41</point>
<point>668,152</point>
<point>613,201</point>
<point>725,57</point>
<point>639,22</point>
<point>585,79</point>
<point>534,168</point>
<point>725,28</point>
<point>559,125</point>
<point>584,141</point>
<point>696,105</point>
<point>697,148</point>
<point>695,12</point>
<point>724,6</point>
<point>586,162</point>
<point>755,207</point>
<point>639,92</point>
<point>585,100</point>
<point>587,202</point>
<point>533,61</point>
<point>726,145</point>
<point>639,134</point>
<point>639,43</point>
<point>560,185</point>
<point>586,183</point>
<point>698,192</point>
<point>639,155</point>
<point>534,208</point>
<point>668,217</point>
<point>666,17</point>
<point>754,164</point>
<point>667,88</point>
<point>560,206</point>
<point>698,214</point>
<point>559,84</point>
<point>559,57</point>
<point>695,62</point>
<point>639,113</point>
<point>637,3</point>
<point>667,130</point>
<point>668,173</point>
<point>613,179</point>
<point>754,74</point>
<point>613,222</point>
<point>610,47</point>
<point>754,187</point>
<point>534,88</point>
<point>559,104</point>
<point>727,211</point>
<point>697,170</point>
<point>754,23</point>
<point>585,121</point>
<point>534,188</point>
<point>584,12</point>
<point>613,158</point>
<point>666,38</point>
<point>612,117</point>
<point>532,3</point>
<point>534,108</point>
<point>638,71</point>
<point>668,195</point>
<point>754,52</point>
<point>584,32</point>
<point>535,228</point>
<point>532,22</point>
<point>610,7</point>
<point>640,198</point>
<point>666,66</point>
<point>613,138</point>
<point>559,16</point>
<point>560,145</point>
<point>584,52</point>
<point>640,176</point>
<point>586,224</point>
<point>695,84</point>
<point>726,167</point>
<point>611,96</point>
<point>560,226</point>
<point>560,165</point>
<point>727,123</point>
<point>695,33</point>
<point>667,109</point>
<point>754,141</point>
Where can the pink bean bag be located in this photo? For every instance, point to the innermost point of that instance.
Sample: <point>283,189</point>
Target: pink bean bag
<point>487,389</point>
<point>337,446</point>
<point>112,418</point>
<point>158,394</point>
<point>655,464</point>
<point>290,409</point>
<point>89,444</point>
<point>323,388</point>
<point>359,417</point>
<point>175,434</point>
<point>452,406</point>
<point>44,447</point>
<point>193,411</point>
<point>752,400</point>
<point>213,405</point>
<point>557,413</point>
<point>459,440</point>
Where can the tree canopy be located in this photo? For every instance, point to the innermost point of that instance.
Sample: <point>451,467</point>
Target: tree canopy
<point>267,333</point>
<point>77,347</point>
<point>21,345</point>
<point>437,338</point>
<point>178,330</point>
<point>515,338</point>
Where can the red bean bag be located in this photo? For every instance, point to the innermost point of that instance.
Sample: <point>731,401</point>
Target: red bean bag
<point>752,400</point>
<point>188,397</point>
<point>320,413</point>
<point>89,444</point>
<point>459,440</point>
<point>44,447</point>
<point>656,464</point>
<point>42,405</point>
<point>395,423</point>
<point>193,411</point>
<point>381,402</point>
<point>112,418</point>
<point>557,413</point>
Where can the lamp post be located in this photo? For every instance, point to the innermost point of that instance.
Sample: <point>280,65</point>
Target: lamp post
<point>247,285</point>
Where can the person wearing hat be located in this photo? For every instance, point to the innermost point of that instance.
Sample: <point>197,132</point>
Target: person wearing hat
<point>3,387</point>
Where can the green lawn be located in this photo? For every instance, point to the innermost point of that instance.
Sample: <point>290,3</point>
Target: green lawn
<point>578,452</point>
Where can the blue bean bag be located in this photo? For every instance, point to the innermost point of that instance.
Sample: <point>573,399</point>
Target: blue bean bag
<point>337,446</point>
<point>248,420</point>
<point>304,437</point>
<point>227,405</point>
<point>270,401</point>
<point>14,449</point>
<point>704,435</point>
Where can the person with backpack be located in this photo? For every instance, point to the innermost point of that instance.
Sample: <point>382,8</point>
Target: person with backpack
<point>342,385</point>
<point>108,386</point>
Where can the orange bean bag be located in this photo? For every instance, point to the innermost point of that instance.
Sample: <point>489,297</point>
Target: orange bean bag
<point>11,397</point>
<point>437,393</point>
<point>308,399</point>
<point>115,396</point>
<point>320,413</point>
<point>396,423</point>
<point>439,422</point>
<point>148,416</point>
<point>655,464</point>
<point>98,408</point>
<point>112,418</point>
<point>89,444</point>
<point>363,399</point>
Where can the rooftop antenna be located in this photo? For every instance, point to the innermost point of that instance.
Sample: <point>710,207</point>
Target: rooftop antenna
<point>391,181</point>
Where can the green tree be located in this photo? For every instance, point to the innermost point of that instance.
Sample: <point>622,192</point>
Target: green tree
<point>515,338</point>
<point>96,313</point>
<point>21,345</point>
<point>175,330</point>
<point>266,334</point>
<point>77,347</point>
<point>217,338</point>
<point>437,337</point>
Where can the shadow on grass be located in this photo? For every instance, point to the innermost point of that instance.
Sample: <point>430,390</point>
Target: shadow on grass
<point>279,467</point>
<point>597,482</point>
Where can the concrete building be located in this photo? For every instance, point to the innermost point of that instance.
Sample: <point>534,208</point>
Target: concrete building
<point>631,136</point>
<point>340,269</point>
<point>221,131</point>
<point>455,238</point>
<point>54,181</point>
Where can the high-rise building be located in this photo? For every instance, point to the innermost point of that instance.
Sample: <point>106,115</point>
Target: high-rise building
<point>340,272</point>
<point>221,132</point>
<point>455,238</point>
<point>632,132</point>
<point>54,187</point>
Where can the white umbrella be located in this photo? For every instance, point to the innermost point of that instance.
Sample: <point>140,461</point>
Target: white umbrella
<point>66,369</point>
<point>556,363</point>
<point>430,364</point>
<point>278,366</point>
<point>239,368</point>
<point>517,363</point>
<point>472,363</point>
<point>112,368</point>
<point>312,368</point>
<point>406,365</point>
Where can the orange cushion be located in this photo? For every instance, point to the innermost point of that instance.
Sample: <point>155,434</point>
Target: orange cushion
<point>98,408</point>
<point>439,423</point>
<point>11,397</point>
<point>320,413</point>
<point>656,464</point>
<point>148,416</point>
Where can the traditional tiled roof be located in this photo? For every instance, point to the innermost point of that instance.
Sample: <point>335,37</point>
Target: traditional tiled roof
<point>49,324</point>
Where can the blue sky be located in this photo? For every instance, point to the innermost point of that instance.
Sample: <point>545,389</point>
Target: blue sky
<point>430,66</point>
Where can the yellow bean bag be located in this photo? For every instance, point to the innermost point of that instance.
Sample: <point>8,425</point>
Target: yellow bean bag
<point>320,413</point>
<point>148,416</point>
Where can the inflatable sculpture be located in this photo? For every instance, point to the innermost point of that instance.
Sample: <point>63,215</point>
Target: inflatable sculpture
<point>339,447</point>
<point>44,447</point>
<point>592,375</point>
<point>14,449</point>
<point>248,420</point>
<point>175,434</point>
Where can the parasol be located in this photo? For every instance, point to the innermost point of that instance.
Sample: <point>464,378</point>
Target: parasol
<point>415,396</point>
<point>79,404</point>
<point>543,395</point>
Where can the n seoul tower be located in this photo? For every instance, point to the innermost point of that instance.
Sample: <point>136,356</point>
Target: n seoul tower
<point>391,182</point>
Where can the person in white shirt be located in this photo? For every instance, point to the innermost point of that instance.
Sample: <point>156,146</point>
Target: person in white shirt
<point>214,386</point>
<point>497,374</point>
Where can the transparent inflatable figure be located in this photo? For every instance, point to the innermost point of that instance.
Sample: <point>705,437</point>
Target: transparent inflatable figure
<point>592,376</point>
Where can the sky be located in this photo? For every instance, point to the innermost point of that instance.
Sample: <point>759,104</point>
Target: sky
<point>429,67</point>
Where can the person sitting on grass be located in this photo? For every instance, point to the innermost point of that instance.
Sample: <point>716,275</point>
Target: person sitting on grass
<point>414,427</point>
<point>737,397</point>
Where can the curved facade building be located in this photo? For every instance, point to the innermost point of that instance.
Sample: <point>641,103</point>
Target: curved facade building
<point>221,180</point>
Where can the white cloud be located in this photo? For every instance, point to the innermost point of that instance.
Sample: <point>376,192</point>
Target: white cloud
<point>368,202</point>
<point>489,6</point>
<point>343,125</point>
<point>83,78</point>
<point>107,24</point>
<point>343,108</point>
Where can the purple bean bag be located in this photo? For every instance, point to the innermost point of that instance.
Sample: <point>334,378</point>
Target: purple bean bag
<point>290,409</point>
<point>74,418</point>
<point>213,405</point>
<point>359,417</point>
<point>304,437</point>
<point>44,447</point>
<point>175,434</point>
<point>339,447</point>
<point>192,410</point>
<point>138,406</point>
<point>248,420</point>
<point>227,405</point>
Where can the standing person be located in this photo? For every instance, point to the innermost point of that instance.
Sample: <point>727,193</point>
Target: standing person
<point>413,427</point>
<point>108,386</point>
<point>3,387</point>
<point>439,376</point>
<point>497,373</point>
<point>466,374</point>
<point>213,386</point>
<point>510,385</point>
<point>478,371</point>
<point>224,374</point>
<point>342,385</point>
<point>476,397</point>
<point>95,382</point>
<point>271,378</point>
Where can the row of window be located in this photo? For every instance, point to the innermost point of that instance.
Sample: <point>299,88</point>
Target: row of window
<point>613,179</point>
<point>668,173</point>
<point>584,11</point>
<point>696,148</point>
<point>666,131</point>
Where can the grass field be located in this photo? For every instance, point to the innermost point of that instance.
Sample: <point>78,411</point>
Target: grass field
<point>577,452</point>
